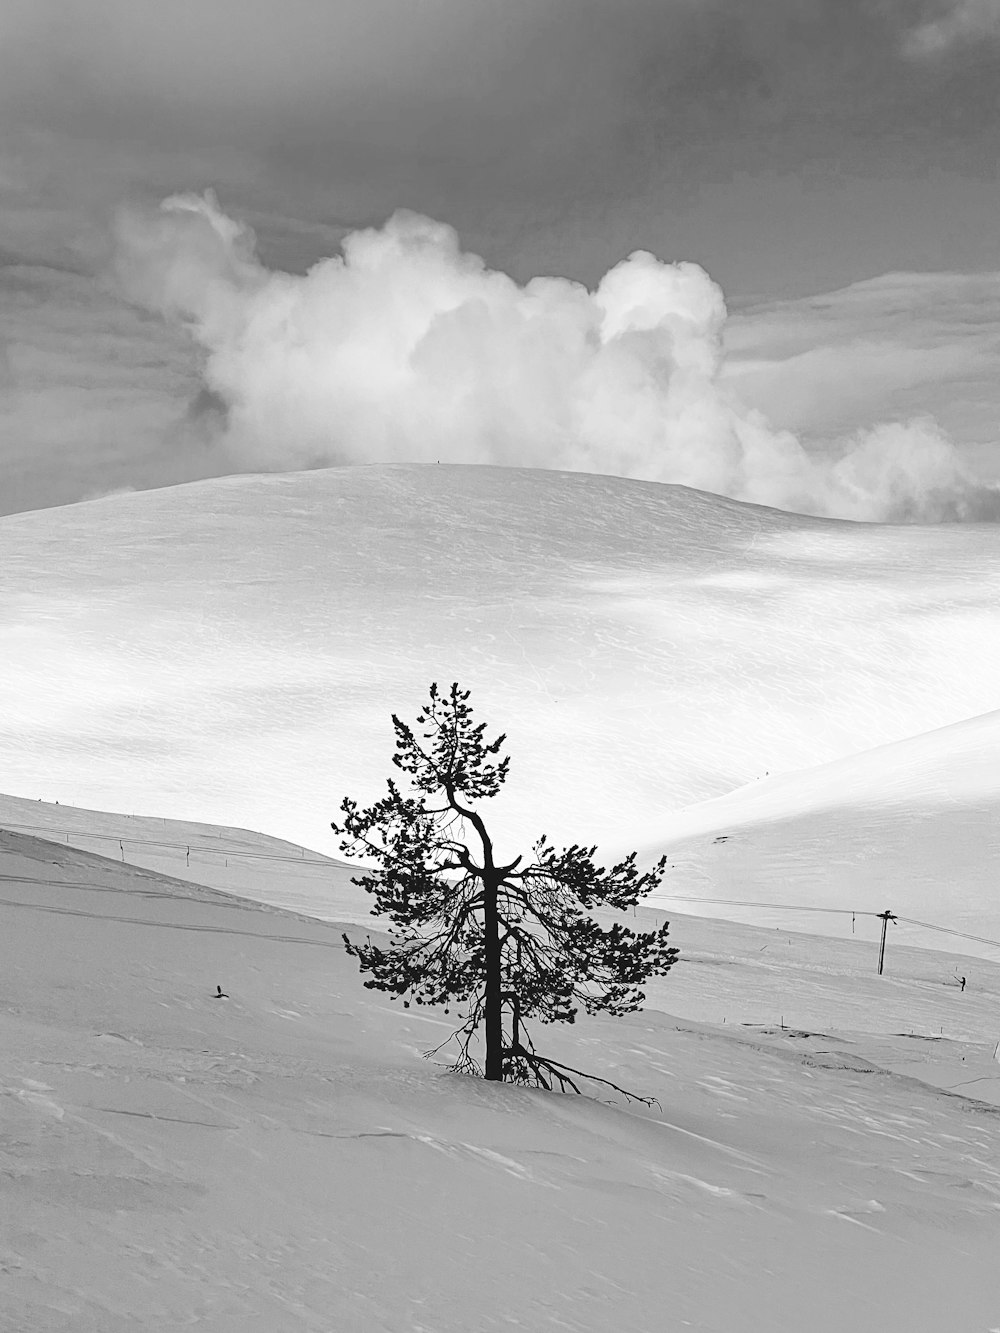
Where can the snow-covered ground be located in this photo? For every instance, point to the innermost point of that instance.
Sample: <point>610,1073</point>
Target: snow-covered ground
<point>824,1154</point>
<point>913,827</point>
<point>231,650</point>
<point>253,865</point>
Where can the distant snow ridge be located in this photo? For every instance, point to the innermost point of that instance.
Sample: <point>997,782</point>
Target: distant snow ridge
<point>238,861</point>
<point>230,651</point>
<point>407,349</point>
<point>913,827</point>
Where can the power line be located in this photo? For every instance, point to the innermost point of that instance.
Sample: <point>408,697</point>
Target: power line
<point>947,930</point>
<point>325,865</point>
<point>313,858</point>
<point>843,911</point>
<point>780,907</point>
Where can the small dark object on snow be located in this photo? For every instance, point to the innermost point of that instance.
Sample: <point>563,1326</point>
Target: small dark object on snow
<point>961,983</point>
<point>220,994</point>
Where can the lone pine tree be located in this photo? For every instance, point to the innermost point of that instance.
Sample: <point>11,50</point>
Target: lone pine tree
<point>499,939</point>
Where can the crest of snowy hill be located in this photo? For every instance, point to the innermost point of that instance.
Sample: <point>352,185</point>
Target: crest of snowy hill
<point>913,827</point>
<point>281,1158</point>
<point>231,650</point>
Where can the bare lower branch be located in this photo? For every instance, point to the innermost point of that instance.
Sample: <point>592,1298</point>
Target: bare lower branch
<point>562,1073</point>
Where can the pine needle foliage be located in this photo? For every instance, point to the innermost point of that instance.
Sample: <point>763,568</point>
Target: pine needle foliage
<point>507,942</point>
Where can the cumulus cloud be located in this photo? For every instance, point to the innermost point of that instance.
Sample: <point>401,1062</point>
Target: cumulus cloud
<point>959,22</point>
<point>405,348</point>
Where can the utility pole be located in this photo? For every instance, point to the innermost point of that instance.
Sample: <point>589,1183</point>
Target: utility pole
<point>885,918</point>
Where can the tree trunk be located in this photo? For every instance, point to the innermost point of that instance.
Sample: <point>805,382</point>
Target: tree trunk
<point>493,1001</point>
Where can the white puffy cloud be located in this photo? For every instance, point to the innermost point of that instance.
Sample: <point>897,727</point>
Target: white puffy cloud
<point>405,348</point>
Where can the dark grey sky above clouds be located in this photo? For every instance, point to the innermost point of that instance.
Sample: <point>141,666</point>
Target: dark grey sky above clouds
<point>789,146</point>
<point>775,142</point>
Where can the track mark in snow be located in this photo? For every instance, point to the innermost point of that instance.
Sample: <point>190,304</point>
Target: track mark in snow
<point>432,1142</point>
<point>423,1018</point>
<point>721,1087</point>
<point>753,1162</point>
<point>511,1167</point>
<point>507,1164</point>
<point>426,1139</point>
<point>39,1101</point>
<point>855,1212</point>
<point>985,1078</point>
<point>666,1177</point>
<point>151,1115</point>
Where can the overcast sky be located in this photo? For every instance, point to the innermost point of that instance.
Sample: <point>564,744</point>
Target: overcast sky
<point>792,148</point>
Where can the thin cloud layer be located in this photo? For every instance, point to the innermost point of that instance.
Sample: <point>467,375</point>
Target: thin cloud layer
<point>904,344</point>
<point>93,396</point>
<point>961,21</point>
<point>405,348</point>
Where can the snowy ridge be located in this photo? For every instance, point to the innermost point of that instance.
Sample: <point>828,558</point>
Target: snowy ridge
<point>230,650</point>
<point>914,827</point>
<point>237,861</point>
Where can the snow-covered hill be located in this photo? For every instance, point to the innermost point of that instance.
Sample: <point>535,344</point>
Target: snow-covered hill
<point>231,650</point>
<point>283,1159</point>
<point>239,861</point>
<point>913,827</point>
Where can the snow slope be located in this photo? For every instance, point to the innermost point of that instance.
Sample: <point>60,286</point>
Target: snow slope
<point>284,1160</point>
<point>231,650</point>
<point>913,827</point>
<point>239,861</point>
